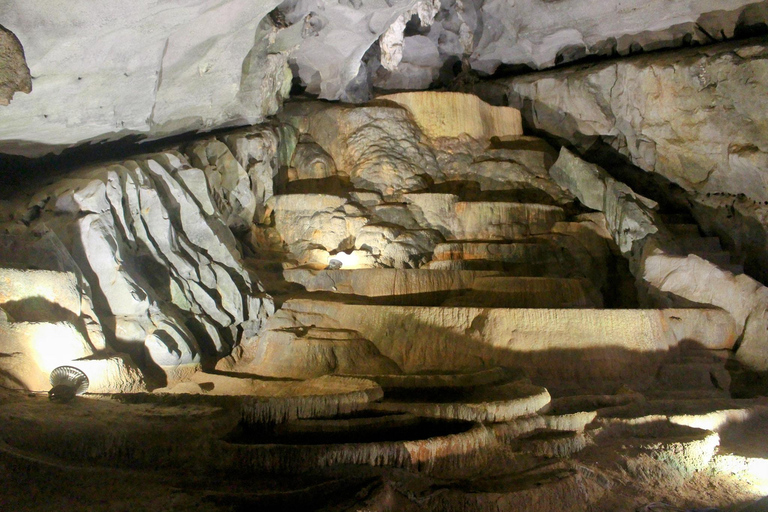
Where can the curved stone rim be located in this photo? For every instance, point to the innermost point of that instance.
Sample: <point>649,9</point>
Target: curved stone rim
<point>449,380</point>
<point>434,454</point>
<point>307,400</point>
<point>533,400</point>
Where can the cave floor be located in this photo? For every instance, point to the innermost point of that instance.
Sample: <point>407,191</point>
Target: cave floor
<point>161,453</point>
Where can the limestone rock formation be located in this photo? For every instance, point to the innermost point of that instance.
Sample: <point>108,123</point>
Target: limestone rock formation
<point>34,349</point>
<point>441,114</point>
<point>467,321</point>
<point>379,148</point>
<point>310,161</point>
<point>481,220</point>
<point>701,281</point>
<point>150,238</point>
<point>14,73</point>
<point>307,353</point>
<point>309,223</point>
<point>229,182</point>
<point>413,43</point>
<point>107,71</point>
<point>613,345</point>
<point>628,214</point>
<point>656,261</point>
<point>693,117</point>
<point>257,150</point>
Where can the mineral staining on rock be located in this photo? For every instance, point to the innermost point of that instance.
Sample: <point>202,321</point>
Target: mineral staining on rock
<point>452,114</point>
<point>14,72</point>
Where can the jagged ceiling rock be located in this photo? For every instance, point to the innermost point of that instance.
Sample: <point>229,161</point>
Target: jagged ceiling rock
<point>103,71</point>
<point>412,43</point>
<point>540,33</point>
<point>329,62</point>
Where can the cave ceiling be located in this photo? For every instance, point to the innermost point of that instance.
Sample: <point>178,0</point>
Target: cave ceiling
<point>102,71</point>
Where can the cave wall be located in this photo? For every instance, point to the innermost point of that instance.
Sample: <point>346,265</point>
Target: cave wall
<point>695,118</point>
<point>153,238</point>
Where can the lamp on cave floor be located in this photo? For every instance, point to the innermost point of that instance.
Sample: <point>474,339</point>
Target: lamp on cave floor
<point>66,382</point>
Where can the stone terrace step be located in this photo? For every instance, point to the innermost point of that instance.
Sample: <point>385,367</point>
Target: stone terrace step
<point>599,349</point>
<point>513,252</point>
<point>458,287</point>
<point>487,404</point>
<point>530,257</point>
<point>529,292</point>
<point>482,220</point>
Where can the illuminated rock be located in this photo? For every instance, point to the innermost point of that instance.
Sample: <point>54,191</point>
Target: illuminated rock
<point>379,148</point>
<point>151,241</point>
<point>393,246</point>
<point>481,220</point>
<point>306,353</point>
<point>310,221</point>
<point>114,374</point>
<point>34,349</point>
<point>595,348</point>
<point>451,114</point>
<point>489,404</point>
<point>310,161</point>
<point>450,287</point>
<point>40,295</point>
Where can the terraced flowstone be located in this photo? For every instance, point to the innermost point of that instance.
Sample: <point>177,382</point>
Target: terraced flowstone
<point>497,403</point>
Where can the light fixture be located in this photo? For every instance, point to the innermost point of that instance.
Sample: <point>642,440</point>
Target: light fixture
<point>66,382</point>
